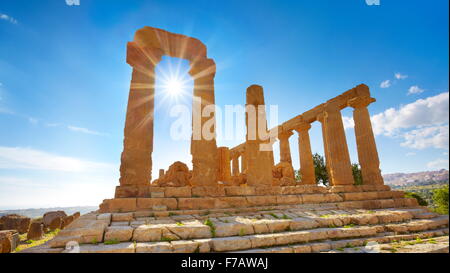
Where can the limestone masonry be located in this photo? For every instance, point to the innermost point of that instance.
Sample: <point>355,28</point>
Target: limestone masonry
<point>237,198</point>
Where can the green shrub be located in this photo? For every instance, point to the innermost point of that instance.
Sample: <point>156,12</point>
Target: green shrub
<point>440,199</point>
<point>419,198</point>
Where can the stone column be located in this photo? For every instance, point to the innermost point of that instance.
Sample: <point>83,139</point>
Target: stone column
<point>136,159</point>
<point>306,158</point>
<point>243,163</point>
<point>285,150</point>
<point>224,164</point>
<point>260,162</point>
<point>235,165</point>
<point>365,141</point>
<point>338,158</point>
<point>203,143</point>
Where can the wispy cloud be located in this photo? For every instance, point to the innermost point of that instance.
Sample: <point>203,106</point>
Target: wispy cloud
<point>8,18</point>
<point>28,158</point>
<point>415,90</point>
<point>84,130</point>
<point>385,84</point>
<point>440,163</point>
<point>400,76</point>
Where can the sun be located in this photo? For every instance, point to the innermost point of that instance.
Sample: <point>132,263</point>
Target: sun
<point>174,86</point>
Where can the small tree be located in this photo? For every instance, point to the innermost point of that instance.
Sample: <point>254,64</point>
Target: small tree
<point>440,199</point>
<point>357,176</point>
<point>320,169</point>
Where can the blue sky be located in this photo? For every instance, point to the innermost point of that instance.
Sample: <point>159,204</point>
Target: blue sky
<point>64,81</point>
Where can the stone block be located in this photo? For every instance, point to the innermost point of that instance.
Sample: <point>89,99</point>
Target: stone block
<point>230,202</point>
<point>178,192</point>
<point>196,203</point>
<point>265,190</point>
<point>148,203</point>
<point>206,191</point>
<point>157,194</point>
<point>231,243</point>
<point>122,217</point>
<point>261,200</point>
<point>239,191</point>
<point>147,233</point>
<point>119,233</point>
<point>157,247</point>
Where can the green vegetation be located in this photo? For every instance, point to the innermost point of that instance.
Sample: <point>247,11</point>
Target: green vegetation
<point>112,242</point>
<point>179,224</point>
<point>433,194</point>
<point>24,243</point>
<point>419,198</point>
<point>320,169</point>
<point>440,199</point>
<point>357,175</point>
<point>212,227</point>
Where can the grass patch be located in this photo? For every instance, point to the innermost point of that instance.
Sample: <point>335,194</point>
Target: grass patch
<point>274,215</point>
<point>24,243</point>
<point>286,217</point>
<point>349,226</point>
<point>212,227</point>
<point>112,242</point>
<point>179,224</point>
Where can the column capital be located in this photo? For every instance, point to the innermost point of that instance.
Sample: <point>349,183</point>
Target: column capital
<point>360,102</point>
<point>285,134</point>
<point>320,117</point>
<point>202,68</point>
<point>303,126</point>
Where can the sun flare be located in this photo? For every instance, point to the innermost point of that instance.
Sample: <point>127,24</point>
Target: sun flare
<point>174,86</point>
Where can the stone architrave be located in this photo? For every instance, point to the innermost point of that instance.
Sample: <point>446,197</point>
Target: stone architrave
<point>365,141</point>
<point>259,162</point>
<point>306,158</point>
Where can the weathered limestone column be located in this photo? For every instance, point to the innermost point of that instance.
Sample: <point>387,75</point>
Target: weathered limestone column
<point>285,150</point>
<point>260,162</point>
<point>338,157</point>
<point>136,159</point>
<point>203,143</point>
<point>306,158</point>
<point>365,141</point>
<point>224,164</point>
<point>243,163</point>
<point>235,165</point>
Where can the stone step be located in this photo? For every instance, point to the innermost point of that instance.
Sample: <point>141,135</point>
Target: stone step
<point>240,197</point>
<point>339,245</point>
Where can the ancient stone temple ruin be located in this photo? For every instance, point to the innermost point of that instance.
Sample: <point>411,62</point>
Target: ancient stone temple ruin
<point>237,198</point>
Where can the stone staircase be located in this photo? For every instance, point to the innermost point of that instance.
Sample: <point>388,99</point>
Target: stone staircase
<point>324,223</point>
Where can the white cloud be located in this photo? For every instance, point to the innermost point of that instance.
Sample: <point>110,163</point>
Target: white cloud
<point>431,111</point>
<point>440,163</point>
<point>8,18</point>
<point>27,158</point>
<point>84,130</point>
<point>410,154</point>
<point>385,84</point>
<point>433,136</point>
<point>415,90</point>
<point>400,76</point>
<point>421,124</point>
<point>348,122</point>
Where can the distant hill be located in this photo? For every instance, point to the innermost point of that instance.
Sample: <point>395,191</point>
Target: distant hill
<point>35,213</point>
<point>420,178</point>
